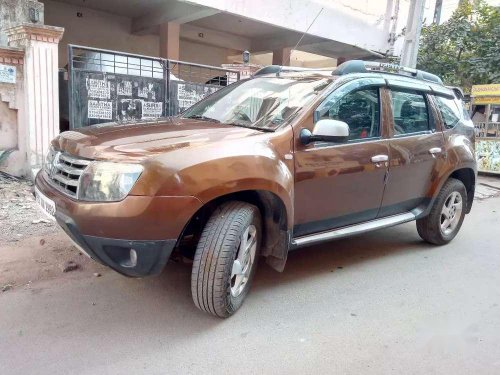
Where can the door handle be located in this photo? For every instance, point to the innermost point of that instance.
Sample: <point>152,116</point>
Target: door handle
<point>379,158</point>
<point>435,150</point>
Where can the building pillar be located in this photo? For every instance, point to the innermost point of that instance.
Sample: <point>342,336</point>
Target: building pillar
<point>41,87</point>
<point>282,56</point>
<point>169,40</point>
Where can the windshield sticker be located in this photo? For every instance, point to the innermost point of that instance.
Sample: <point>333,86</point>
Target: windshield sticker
<point>100,110</point>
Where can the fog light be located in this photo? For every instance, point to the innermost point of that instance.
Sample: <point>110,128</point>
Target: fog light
<point>133,258</point>
<point>131,261</point>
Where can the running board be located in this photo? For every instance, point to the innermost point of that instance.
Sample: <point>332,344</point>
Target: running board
<point>351,230</point>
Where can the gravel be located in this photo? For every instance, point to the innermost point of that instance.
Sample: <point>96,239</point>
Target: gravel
<point>19,215</point>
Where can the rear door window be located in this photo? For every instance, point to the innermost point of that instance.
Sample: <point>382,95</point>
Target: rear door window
<point>411,114</point>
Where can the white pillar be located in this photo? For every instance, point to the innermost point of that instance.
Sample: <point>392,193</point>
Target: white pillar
<point>41,86</point>
<point>412,34</point>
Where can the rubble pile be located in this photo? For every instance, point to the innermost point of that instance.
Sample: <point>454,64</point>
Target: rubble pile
<point>19,214</point>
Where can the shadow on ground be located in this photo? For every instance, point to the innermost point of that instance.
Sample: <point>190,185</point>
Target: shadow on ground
<point>172,287</point>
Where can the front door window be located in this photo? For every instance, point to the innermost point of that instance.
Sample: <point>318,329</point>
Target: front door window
<point>360,110</point>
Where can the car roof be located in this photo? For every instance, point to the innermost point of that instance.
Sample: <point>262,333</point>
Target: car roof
<point>394,80</point>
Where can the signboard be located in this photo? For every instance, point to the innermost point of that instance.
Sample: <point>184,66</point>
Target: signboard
<point>7,73</point>
<point>487,100</point>
<point>485,90</point>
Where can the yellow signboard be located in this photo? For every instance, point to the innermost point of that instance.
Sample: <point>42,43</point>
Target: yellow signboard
<point>485,90</point>
<point>487,100</point>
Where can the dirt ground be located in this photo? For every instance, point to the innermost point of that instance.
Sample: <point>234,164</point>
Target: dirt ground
<point>19,217</point>
<point>33,248</point>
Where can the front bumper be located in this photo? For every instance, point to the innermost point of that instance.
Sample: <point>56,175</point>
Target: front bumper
<point>135,237</point>
<point>149,257</point>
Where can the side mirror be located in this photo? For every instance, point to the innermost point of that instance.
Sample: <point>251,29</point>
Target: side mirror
<point>326,131</point>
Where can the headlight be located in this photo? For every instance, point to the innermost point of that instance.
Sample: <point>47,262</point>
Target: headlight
<point>107,182</point>
<point>49,159</point>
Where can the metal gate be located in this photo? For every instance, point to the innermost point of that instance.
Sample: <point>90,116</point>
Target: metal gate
<point>114,86</point>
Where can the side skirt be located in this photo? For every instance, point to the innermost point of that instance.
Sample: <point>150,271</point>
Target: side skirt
<point>351,230</point>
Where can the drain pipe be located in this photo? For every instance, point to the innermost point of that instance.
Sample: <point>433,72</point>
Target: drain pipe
<point>392,34</point>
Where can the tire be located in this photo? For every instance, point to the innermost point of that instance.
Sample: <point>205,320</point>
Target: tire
<point>431,227</point>
<point>215,288</point>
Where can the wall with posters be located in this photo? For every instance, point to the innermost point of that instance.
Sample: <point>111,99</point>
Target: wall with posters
<point>104,97</point>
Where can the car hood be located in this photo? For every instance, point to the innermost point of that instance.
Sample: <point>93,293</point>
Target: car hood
<point>135,142</point>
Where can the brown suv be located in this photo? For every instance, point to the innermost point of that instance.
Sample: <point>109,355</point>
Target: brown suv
<point>262,167</point>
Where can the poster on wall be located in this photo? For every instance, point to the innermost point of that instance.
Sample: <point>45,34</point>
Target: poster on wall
<point>7,73</point>
<point>184,94</point>
<point>101,110</point>
<point>98,88</point>
<point>488,155</point>
<point>151,110</point>
<point>124,88</point>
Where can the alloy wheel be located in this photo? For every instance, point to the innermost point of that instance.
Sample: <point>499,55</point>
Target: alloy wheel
<point>242,265</point>
<point>451,213</point>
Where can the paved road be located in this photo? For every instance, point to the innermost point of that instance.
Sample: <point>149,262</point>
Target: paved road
<point>381,303</point>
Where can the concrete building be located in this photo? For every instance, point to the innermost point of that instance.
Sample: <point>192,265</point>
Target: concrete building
<point>34,36</point>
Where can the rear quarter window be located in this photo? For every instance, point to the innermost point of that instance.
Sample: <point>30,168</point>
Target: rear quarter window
<point>450,111</point>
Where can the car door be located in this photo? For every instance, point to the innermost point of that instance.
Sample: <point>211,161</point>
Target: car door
<point>416,151</point>
<point>339,184</point>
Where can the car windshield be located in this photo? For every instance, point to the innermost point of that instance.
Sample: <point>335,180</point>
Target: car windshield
<point>263,103</point>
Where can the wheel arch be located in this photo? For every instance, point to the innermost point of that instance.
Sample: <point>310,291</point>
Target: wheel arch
<point>468,177</point>
<point>276,235</point>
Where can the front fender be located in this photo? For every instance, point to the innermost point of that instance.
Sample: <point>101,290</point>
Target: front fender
<point>208,172</point>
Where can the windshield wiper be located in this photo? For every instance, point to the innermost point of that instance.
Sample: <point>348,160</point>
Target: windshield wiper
<point>205,118</point>
<point>249,127</point>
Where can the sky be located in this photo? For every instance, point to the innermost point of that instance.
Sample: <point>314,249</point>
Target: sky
<point>448,8</point>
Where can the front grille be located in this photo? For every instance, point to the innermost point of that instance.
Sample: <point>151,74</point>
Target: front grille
<point>66,171</point>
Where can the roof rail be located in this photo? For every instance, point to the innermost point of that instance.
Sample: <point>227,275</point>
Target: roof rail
<point>360,66</point>
<point>276,69</point>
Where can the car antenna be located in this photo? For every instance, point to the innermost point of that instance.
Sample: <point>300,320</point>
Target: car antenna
<point>300,40</point>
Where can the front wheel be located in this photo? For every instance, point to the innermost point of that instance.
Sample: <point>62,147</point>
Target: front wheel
<point>226,258</point>
<point>447,214</point>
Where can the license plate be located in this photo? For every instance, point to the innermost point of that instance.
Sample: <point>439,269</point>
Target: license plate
<point>47,205</point>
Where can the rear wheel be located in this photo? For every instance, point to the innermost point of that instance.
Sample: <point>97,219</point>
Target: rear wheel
<point>226,258</point>
<point>447,214</point>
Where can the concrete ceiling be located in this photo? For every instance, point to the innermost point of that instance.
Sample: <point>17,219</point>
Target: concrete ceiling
<point>216,28</point>
<point>126,8</point>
